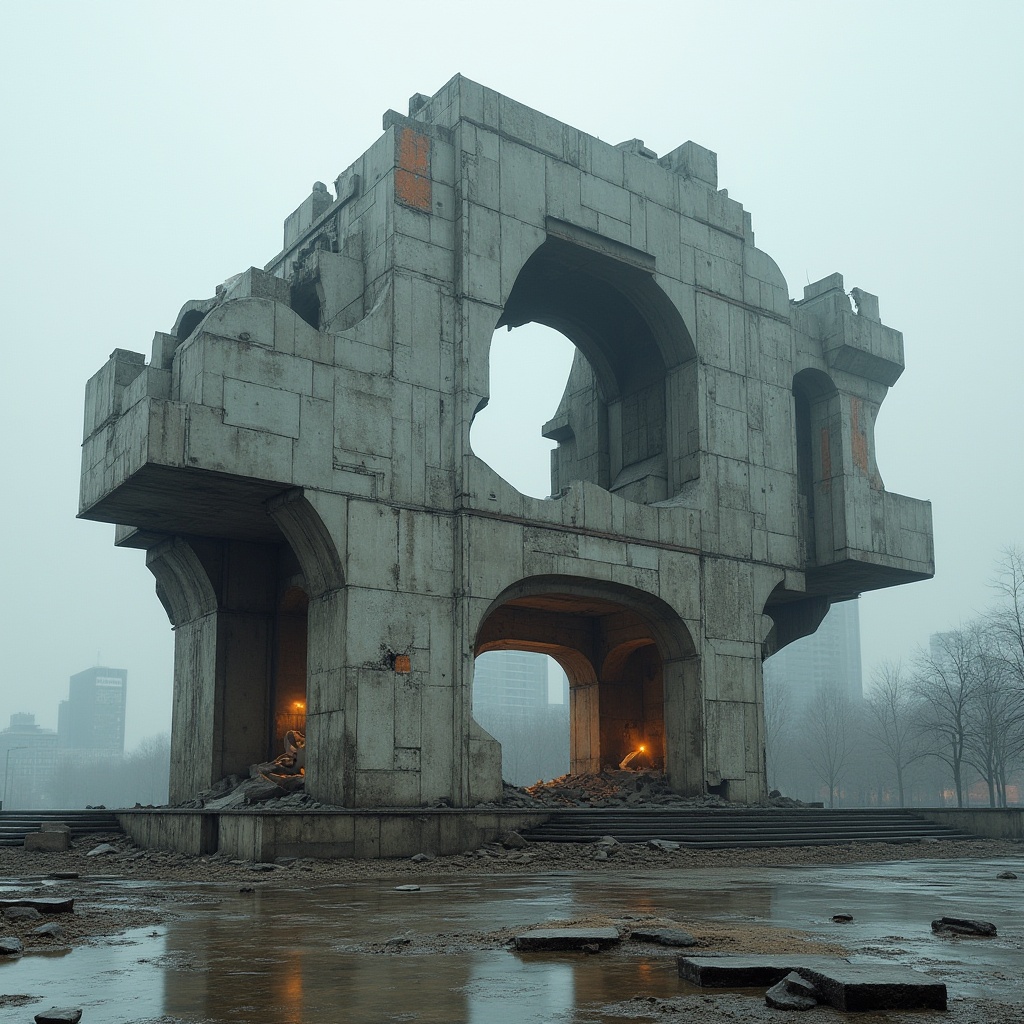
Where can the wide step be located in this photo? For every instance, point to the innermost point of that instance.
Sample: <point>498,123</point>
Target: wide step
<point>737,829</point>
<point>15,825</point>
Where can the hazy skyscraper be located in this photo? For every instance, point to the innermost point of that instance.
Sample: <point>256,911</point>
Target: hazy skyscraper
<point>92,718</point>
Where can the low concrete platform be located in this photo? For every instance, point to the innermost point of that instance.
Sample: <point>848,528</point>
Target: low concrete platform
<point>264,835</point>
<point>842,985</point>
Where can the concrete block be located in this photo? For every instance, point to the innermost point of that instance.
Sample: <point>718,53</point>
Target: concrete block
<point>47,842</point>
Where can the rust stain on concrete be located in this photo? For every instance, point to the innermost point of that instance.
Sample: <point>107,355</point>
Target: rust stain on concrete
<point>412,175</point>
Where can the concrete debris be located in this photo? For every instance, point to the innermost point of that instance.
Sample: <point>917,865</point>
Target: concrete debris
<point>842,918</point>
<point>601,855</point>
<point>513,841</point>
<point>664,937</point>
<point>407,888</point>
<point>842,985</point>
<point>422,858</point>
<point>50,930</point>
<point>103,848</point>
<point>1006,874</point>
<point>59,1015</point>
<point>10,945</point>
<point>963,926</point>
<point>792,993</point>
<point>44,904</point>
<point>566,938</point>
<point>663,844</point>
<point>47,841</point>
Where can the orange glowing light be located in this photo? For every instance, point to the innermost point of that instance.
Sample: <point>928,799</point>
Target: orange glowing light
<point>641,748</point>
<point>299,705</point>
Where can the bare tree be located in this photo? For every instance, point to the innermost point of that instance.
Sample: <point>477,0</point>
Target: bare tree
<point>778,729</point>
<point>829,741</point>
<point>892,722</point>
<point>947,684</point>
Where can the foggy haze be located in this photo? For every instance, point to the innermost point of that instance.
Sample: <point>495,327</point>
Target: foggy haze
<point>153,151</point>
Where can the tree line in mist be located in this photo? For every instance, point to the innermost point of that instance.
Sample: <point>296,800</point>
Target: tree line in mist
<point>945,728</point>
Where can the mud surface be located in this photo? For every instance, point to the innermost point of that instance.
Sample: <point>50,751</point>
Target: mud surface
<point>206,941</point>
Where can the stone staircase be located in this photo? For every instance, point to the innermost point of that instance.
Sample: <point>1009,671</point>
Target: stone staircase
<point>723,828</point>
<point>15,825</point>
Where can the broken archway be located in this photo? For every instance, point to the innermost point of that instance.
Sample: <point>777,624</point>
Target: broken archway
<point>632,666</point>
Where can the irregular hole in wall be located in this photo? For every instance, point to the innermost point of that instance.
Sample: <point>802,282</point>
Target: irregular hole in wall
<point>522,699</point>
<point>529,367</point>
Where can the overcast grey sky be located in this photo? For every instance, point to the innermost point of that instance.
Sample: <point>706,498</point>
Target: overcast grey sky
<point>150,151</point>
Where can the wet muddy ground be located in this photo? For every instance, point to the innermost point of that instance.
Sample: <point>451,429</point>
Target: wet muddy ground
<point>296,948</point>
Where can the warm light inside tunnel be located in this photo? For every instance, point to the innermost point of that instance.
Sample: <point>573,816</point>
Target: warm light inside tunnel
<point>631,756</point>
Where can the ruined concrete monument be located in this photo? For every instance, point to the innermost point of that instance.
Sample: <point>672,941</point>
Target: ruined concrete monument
<point>295,460</point>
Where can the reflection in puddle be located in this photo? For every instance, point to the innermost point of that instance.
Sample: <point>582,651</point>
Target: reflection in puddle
<point>282,956</point>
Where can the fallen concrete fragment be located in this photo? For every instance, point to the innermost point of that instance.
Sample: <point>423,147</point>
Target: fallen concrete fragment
<point>664,936</point>
<point>963,926</point>
<point>10,945</point>
<point>566,938</point>
<point>59,1015</point>
<point>45,904</point>
<point>50,930</point>
<point>1006,874</point>
<point>103,848</point>
<point>47,842</point>
<point>792,993</point>
<point>22,914</point>
<point>845,986</point>
<point>411,887</point>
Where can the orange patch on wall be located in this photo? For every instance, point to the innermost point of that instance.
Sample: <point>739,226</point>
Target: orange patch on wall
<point>412,173</point>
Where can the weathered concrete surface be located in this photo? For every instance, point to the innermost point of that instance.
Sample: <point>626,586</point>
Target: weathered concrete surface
<point>852,987</point>
<point>295,460</point>
<point>263,836</point>
<point>990,822</point>
<point>566,938</point>
<point>47,841</point>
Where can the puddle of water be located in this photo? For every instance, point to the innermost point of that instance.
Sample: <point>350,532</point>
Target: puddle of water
<point>282,955</point>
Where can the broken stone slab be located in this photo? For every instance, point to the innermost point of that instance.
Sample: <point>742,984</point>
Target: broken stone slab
<point>54,826</point>
<point>792,993</point>
<point>407,888</point>
<point>10,945</point>
<point>663,844</point>
<point>422,858</point>
<point>844,986</point>
<point>842,918</point>
<point>101,850</point>
<point>514,841</point>
<point>50,930</point>
<point>44,904</point>
<point>963,926</point>
<point>46,842</point>
<point>63,874</point>
<point>1006,874</point>
<point>59,1015</point>
<point>664,936</point>
<point>566,938</point>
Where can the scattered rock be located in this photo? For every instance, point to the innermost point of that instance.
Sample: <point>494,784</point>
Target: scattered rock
<point>601,855</point>
<point>963,926</point>
<point>50,930</point>
<point>99,851</point>
<point>63,874</point>
<point>664,937</point>
<point>1006,874</point>
<point>59,1015</point>
<point>792,993</point>
<point>398,940</point>
<point>407,888</point>
<point>422,858</point>
<point>842,918</point>
<point>663,844</point>
<point>608,841</point>
<point>513,841</point>
<point>263,866</point>
<point>591,947</point>
<point>566,938</point>
<point>10,945</point>
<point>247,888</point>
<point>22,914</point>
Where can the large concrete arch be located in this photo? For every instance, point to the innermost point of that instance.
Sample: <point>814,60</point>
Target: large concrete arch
<point>308,426</point>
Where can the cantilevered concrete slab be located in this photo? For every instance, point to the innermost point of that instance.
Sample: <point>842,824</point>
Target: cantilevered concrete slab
<point>294,457</point>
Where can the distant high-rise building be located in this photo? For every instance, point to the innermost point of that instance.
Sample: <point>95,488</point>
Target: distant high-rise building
<point>92,718</point>
<point>828,658</point>
<point>510,681</point>
<point>28,756</point>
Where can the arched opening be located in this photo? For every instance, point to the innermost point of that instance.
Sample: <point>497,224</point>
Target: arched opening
<point>529,368</point>
<point>816,422</point>
<point>522,699</point>
<point>288,687</point>
<point>633,372</point>
<point>631,666</point>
